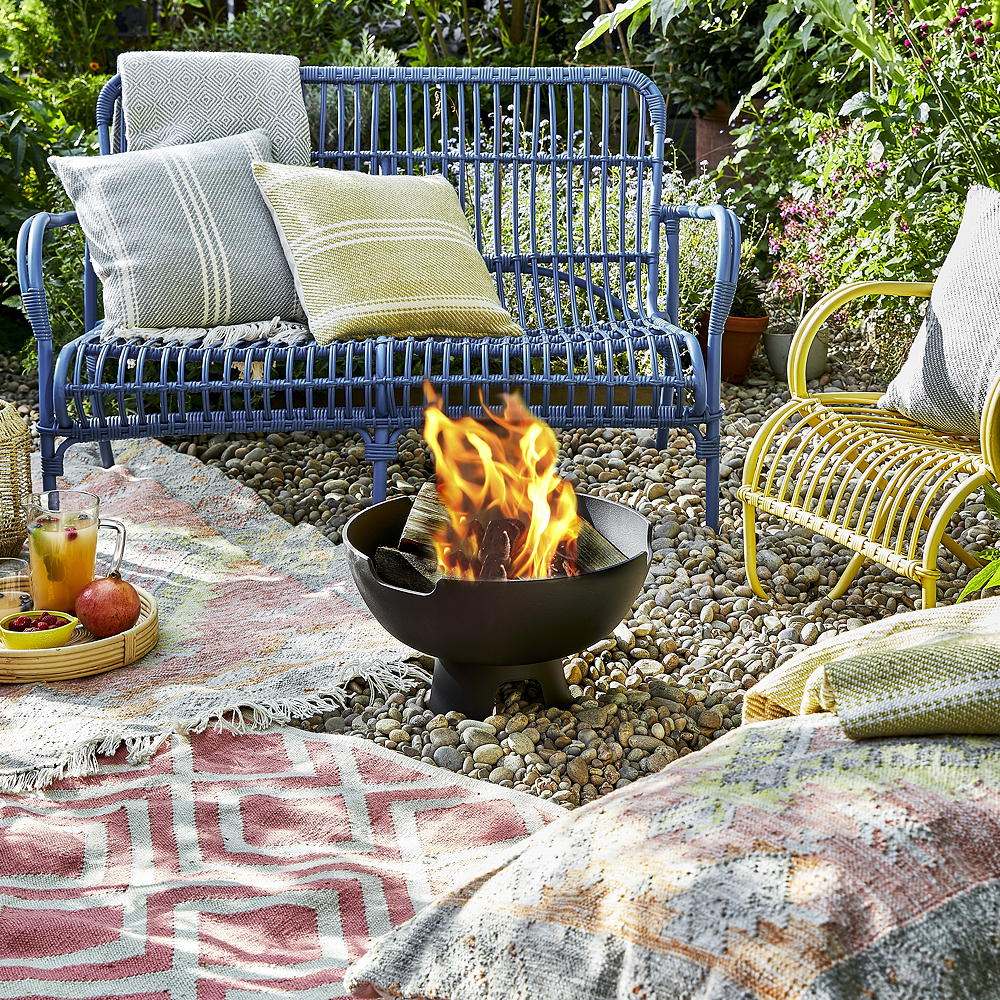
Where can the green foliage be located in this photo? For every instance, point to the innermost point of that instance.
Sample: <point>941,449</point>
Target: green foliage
<point>873,188</point>
<point>705,59</point>
<point>32,129</point>
<point>317,31</point>
<point>989,576</point>
<point>58,37</point>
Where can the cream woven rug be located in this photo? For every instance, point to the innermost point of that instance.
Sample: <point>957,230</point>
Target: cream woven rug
<point>260,623</point>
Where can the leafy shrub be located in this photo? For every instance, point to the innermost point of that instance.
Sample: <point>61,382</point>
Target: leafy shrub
<point>53,38</point>
<point>317,31</point>
<point>874,189</point>
<point>32,129</point>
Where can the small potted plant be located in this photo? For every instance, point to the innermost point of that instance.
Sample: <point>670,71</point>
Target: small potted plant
<point>745,326</point>
<point>778,343</point>
<point>748,317</point>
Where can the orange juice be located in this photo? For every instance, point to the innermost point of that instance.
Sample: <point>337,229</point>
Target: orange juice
<point>13,600</point>
<point>62,550</point>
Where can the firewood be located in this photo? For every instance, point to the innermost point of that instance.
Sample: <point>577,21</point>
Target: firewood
<point>594,551</point>
<point>499,541</point>
<point>404,569</point>
<point>426,520</point>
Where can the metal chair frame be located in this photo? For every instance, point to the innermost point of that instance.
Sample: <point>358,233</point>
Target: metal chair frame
<point>868,478</point>
<point>561,173</point>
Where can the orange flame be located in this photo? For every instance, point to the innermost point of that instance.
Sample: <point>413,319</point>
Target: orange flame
<point>510,514</point>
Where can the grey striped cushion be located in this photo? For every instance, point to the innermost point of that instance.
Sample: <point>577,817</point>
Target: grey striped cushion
<point>180,236</point>
<point>955,358</point>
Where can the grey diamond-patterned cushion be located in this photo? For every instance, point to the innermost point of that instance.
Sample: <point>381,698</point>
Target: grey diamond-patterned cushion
<point>955,358</point>
<point>171,98</point>
<point>180,236</point>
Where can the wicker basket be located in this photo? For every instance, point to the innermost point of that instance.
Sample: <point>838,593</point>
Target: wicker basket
<point>83,655</point>
<point>15,479</point>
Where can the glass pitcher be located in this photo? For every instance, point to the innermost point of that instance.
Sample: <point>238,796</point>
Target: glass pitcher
<point>62,545</point>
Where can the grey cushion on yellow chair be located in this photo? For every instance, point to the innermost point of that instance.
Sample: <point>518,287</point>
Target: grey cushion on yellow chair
<point>381,254</point>
<point>955,358</point>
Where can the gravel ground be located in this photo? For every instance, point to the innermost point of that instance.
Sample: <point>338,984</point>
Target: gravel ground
<point>672,676</point>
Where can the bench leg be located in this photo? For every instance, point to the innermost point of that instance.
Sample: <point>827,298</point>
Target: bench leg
<point>662,438</point>
<point>107,454</point>
<point>52,461</point>
<point>380,450</point>
<point>709,448</point>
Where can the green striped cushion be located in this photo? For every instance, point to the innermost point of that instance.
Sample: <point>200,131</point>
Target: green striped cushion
<point>381,255</point>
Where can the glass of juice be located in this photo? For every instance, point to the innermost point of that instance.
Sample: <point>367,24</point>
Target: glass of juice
<point>62,545</point>
<point>15,589</point>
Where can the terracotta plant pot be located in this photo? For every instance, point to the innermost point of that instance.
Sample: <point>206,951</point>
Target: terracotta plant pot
<point>740,340</point>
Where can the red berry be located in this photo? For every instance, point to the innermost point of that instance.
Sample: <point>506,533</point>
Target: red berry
<point>71,534</point>
<point>41,627</point>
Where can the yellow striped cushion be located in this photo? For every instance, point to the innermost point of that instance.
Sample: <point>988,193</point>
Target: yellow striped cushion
<point>381,255</point>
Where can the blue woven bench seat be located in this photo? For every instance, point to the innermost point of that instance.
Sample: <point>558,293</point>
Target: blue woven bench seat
<point>561,173</point>
<point>622,375</point>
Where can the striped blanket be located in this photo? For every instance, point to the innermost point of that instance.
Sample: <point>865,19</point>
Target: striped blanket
<point>919,674</point>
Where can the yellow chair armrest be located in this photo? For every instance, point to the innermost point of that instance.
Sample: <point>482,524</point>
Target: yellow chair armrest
<point>989,431</point>
<point>825,308</point>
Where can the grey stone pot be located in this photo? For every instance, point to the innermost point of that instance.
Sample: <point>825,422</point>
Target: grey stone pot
<point>778,343</point>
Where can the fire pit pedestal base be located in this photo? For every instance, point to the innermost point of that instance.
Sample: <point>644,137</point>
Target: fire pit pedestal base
<point>471,688</point>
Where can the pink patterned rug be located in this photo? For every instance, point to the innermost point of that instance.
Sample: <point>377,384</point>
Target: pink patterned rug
<point>260,622</point>
<point>233,867</point>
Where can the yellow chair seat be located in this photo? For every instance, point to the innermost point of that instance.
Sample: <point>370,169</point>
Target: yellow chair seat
<point>867,478</point>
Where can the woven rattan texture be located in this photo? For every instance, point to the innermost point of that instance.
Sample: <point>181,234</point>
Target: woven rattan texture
<point>870,479</point>
<point>15,479</point>
<point>559,171</point>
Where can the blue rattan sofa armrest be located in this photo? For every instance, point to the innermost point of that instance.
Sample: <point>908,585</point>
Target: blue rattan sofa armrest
<point>30,274</point>
<point>727,269</point>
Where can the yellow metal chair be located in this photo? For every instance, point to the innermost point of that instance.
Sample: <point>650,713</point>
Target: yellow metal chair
<point>867,478</point>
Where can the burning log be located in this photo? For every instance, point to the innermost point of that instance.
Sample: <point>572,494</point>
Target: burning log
<point>498,542</point>
<point>405,569</point>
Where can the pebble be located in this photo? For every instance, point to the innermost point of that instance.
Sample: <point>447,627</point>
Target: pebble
<point>449,757</point>
<point>487,753</point>
<point>519,743</point>
<point>674,673</point>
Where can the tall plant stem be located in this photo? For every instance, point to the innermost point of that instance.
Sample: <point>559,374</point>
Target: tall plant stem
<point>467,31</point>
<point>536,29</point>
<point>984,174</point>
<point>872,16</point>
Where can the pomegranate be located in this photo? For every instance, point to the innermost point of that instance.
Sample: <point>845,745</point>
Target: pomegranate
<point>108,606</point>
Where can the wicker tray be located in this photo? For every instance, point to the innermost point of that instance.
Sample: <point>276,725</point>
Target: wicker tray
<point>84,654</point>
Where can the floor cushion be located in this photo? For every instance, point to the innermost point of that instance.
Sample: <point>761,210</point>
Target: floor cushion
<point>785,861</point>
<point>922,673</point>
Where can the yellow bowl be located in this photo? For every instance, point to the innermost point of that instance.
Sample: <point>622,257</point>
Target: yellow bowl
<point>48,639</point>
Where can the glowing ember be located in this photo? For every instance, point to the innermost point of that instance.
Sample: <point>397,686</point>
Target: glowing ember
<point>510,516</point>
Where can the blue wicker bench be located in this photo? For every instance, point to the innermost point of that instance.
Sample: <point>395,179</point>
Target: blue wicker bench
<point>561,172</point>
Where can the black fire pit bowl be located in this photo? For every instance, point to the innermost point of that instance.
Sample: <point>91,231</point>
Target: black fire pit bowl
<point>484,633</point>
